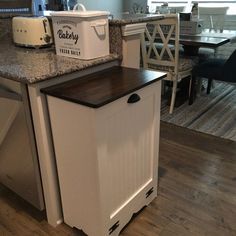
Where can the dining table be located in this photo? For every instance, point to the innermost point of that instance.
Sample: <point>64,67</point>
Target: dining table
<point>231,34</point>
<point>207,38</point>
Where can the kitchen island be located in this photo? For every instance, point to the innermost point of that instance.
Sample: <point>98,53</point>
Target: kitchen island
<point>34,69</point>
<point>40,68</point>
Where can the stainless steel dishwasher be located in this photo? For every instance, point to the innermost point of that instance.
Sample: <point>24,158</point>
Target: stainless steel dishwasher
<point>19,167</point>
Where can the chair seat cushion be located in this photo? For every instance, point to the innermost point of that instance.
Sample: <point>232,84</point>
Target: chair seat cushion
<point>184,65</point>
<point>211,69</point>
<point>202,55</point>
<point>229,69</point>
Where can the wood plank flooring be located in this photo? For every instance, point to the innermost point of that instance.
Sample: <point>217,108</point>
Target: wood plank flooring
<point>196,197</point>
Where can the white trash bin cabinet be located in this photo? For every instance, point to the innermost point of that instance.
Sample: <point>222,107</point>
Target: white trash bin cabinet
<point>106,136</point>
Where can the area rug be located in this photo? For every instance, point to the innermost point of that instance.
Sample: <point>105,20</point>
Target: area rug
<point>213,114</point>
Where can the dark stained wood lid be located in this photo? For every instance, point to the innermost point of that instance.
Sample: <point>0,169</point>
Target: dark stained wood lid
<point>98,89</point>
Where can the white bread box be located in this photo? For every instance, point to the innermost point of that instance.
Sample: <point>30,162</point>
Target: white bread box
<point>81,34</point>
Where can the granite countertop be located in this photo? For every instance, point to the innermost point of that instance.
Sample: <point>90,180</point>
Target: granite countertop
<point>123,18</point>
<point>126,18</point>
<point>35,65</point>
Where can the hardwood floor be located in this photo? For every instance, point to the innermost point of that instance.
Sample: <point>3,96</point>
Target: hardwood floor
<point>197,187</point>
<point>197,193</point>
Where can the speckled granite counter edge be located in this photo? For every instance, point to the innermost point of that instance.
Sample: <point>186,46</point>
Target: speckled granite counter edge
<point>77,66</point>
<point>135,20</point>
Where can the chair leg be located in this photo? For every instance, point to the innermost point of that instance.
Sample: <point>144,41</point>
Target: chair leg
<point>213,84</point>
<point>192,90</point>
<point>209,86</point>
<point>174,89</point>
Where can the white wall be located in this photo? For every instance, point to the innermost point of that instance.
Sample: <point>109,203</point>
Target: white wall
<point>230,22</point>
<point>108,5</point>
<point>128,5</point>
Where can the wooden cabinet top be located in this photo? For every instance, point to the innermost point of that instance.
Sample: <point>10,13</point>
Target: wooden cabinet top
<point>103,87</point>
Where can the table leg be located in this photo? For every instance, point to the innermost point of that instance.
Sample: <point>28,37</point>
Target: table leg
<point>190,50</point>
<point>192,90</point>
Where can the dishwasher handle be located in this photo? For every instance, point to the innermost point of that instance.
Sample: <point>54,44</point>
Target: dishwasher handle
<point>9,94</point>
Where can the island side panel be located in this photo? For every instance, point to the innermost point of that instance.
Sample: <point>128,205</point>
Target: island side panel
<point>44,141</point>
<point>46,157</point>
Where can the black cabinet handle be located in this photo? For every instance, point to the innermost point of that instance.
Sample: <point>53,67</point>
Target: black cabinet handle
<point>133,98</point>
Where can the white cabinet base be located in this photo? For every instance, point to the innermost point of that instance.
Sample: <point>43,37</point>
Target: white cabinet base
<point>107,159</point>
<point>131,44</point>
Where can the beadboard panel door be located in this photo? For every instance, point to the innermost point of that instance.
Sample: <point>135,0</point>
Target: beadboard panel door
<point>127,151</point>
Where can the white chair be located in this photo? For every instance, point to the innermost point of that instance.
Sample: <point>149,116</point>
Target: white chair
<point>213,17</point>
<point>165,58</point>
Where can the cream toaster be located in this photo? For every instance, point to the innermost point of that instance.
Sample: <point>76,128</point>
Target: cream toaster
<point>31,31</point>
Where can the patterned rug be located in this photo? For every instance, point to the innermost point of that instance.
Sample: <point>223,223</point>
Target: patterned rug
<point>213,114</point>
